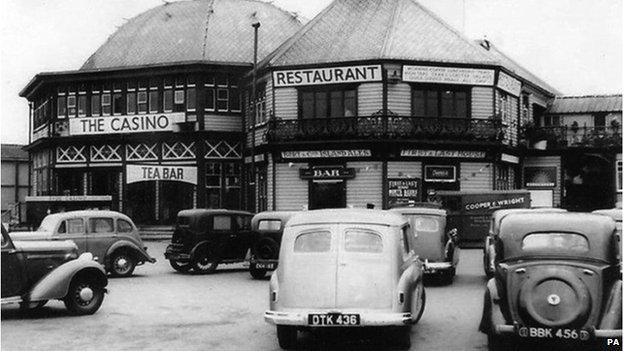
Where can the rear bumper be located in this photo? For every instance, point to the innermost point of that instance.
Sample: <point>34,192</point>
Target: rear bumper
<point>435,267</point>
<point>510,330</point>
<point>367,319</point>
<point>269,265</point>
<point>175,253</point>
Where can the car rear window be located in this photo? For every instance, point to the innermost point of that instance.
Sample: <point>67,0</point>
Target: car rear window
<point>123,226</point>
<point>424,223</point>
<point>361,240</point>
<point>555,241</point>
<point>222,223</point>
<point>313,242</point>
<point>75,226</point>
<point>269,224</point>
<point>101,225</point>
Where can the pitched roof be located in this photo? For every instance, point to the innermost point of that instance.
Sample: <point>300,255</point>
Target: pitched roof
<point>586,104</point>
<point>354,30</point>
<point>213,31</point>
<point>13,152</point>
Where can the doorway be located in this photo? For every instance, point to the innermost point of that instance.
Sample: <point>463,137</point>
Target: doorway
<point>174,197</point>
<point>589,182</point>
<point>140,202</point>
<point>439,176</point>
<point>327,194</point>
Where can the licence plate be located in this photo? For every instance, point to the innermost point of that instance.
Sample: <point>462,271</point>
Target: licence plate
<point>266,265</point>
<point>553,333</point>
<point>334,319</point>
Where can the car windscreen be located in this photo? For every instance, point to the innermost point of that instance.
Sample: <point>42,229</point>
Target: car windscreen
<point>422,223</point>
<point>362,240</point>
<point>269,224</point>
<point>562,242</point>
<point>47,224</point>
<point>313,241</point>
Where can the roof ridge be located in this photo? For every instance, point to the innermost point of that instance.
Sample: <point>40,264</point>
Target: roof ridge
<point>206,23</point>
<point>589,95</point>
<point>300,33</point>
<point>390,29</point>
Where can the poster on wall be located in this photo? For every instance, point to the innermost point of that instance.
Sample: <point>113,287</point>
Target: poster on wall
<point>540,177</point>
<point>403,190</point>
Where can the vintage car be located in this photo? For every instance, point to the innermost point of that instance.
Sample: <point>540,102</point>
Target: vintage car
<point>557,280</point>
<point>616,214</point>
<point>111,237</point>
<point>436,246</point>
<point>34,272</point>
<point>267,228</point>
<point>204,238</point>
<point>489,255</point>
<point>346,268</point>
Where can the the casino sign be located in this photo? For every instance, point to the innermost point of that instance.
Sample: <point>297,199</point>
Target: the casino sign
<point>125,124</point>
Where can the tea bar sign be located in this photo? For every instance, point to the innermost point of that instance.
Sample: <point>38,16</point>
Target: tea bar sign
<point>125,124</point>
<point>450,75</point>
<point>142,173</point>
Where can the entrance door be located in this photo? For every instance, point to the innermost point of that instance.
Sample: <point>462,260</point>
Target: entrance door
<point>327,194</point>
<point>140,202</point>
<point>175,197</point>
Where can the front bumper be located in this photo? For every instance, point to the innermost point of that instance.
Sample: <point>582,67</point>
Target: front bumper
<point>367,319</point>
<point>511,330</point>
<point>435,267</point>
<point>176,253</point>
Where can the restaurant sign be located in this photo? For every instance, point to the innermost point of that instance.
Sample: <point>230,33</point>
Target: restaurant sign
<point>540,177</point>
<point>509,83</point>
<point>403,190</point>
<point>125,124</point>
<point>442,174</point>
<point>329,75</point>
<point>448,75</point>
<point>443,153</point>
<point>327,173</point>
<point>142,173</point>
<point>326,153</point>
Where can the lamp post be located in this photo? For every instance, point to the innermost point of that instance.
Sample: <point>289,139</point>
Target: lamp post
<point>255,24</point>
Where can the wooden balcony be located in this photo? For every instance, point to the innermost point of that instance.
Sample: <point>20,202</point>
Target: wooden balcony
<point>558,137</point>
<point>381,127</point>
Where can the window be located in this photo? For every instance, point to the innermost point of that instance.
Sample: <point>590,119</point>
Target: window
<point>328,103</point>
<point>153,101</point>
<point>101,225</point>
<point>142,101</point>
<point>548,242</point>
<point>168,100</point>
<point>232,185</point>
<point>118,107</point>
<point>405,240</point>
<point>213,184</point>
<point>424,223</point>
<point>210,100</point>
<point>75,226</point>
<point>190,99</point>
<point>71,105</point>
<point>131,103</point>
<point>106,104</point>
<point>82,105</point>
<point>502,178</point>
<point>359,240</point>
<point>124,226</point>
<point>440,102</point>
<point>313,242</point>
<point>178,101</point>
<point>61,102</point>
<point>618,175</point>
<point>95,104</point>
<point>243,222</point>
<point>222,223</point>
<point>222,99</point>
<point>270,224</point>
<point>551,121</point>
<point>235,104</point>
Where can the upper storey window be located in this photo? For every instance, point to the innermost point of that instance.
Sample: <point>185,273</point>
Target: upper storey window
<point>334,102</point>
<point>221,93</point>
<point>440,102</point>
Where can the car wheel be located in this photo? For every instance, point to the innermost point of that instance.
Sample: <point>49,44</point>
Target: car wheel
<point>423,299</point>
<point>402,338</point>
<point>204,262</point>
<point>180,266</point>
<point>266,248</point>
<point>84,296</point>
<point>122,264</point>
<point>287,336</point>
<point>257,273</point>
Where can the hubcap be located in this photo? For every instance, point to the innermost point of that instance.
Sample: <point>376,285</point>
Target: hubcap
<point>121,264</point>
<point>554,299</point>
<point>84,294</point>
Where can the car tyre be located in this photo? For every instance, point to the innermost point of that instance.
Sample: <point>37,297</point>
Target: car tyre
<point>204,261</point>
<point>182,267</point>
<point>266,248</point>
<point>84,296</point>
<point>402,338</point>
<point>447,276</point>
<point>287,336</point>
<point>122,264</point>
<point>423,300</point>
<point>257,273</point>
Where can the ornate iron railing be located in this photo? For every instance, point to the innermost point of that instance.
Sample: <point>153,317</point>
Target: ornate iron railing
<point>385,127</point>
<point>572,136</point>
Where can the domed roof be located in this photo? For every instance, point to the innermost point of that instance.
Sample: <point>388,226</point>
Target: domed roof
<point>207,31</point>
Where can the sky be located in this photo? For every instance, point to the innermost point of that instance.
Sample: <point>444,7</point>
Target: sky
<point>574,45</point>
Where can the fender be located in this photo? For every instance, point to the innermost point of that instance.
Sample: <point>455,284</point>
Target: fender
<point>56,284</point>
<point>492,314</point>
<point>612,315</point>
<point>142,254</point>
<point>198,246</point>
<point>273,288</point>
<point>407,284</point>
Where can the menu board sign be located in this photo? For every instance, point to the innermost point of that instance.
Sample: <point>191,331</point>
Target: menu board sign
<point>403,190</point>
<point>448,75</point>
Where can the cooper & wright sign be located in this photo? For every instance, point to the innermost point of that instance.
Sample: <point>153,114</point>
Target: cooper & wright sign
<point>125,124</point>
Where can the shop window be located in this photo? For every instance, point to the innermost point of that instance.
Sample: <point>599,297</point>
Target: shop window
<point>71,105</point>
<point>118,105</point>
<point>178,101</point>
<point>131,103</point>
<point>502,178</point>
<point>106,104</point>
<point>61,103</point>
<point>95,104</point>
<point>328,103</point>
<point>440,102</point>
<point>222,99</point>
<point>168,100</point>
<point>618,175</point>
<point>190,99</point>
<point>142,101</point>
<point>82,105</point>
<point>153,101</point>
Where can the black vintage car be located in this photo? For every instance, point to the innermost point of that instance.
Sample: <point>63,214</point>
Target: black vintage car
<point>205,238</point>
<point>556,280</point>
<point>36,271</point>
<point>267,228</point>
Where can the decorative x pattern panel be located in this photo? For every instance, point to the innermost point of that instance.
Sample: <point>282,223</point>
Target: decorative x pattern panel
<point>223,149</point>
<point>141,152</point>
<point>105,153</point>
<point>70,154</point>
<point>178,150</point>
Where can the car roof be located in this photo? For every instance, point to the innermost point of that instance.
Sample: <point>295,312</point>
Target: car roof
<point>500,214</point>
<point>210,211</point>
<point>615,213</point>
<point>588,224</point>
<point>88,213</point>
<point>279,215</point>
<point>361,216</point>
<point>420,210</point>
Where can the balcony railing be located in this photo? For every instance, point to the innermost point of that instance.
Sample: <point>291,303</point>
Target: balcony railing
<point>572,136</point>
<point>385,127</point>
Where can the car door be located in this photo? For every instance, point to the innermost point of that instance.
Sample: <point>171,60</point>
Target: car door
<point>242,241</point>
<point>224,235</point>
<point>73,229</point>
<point>101,235</point>
<point>13,270</point>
